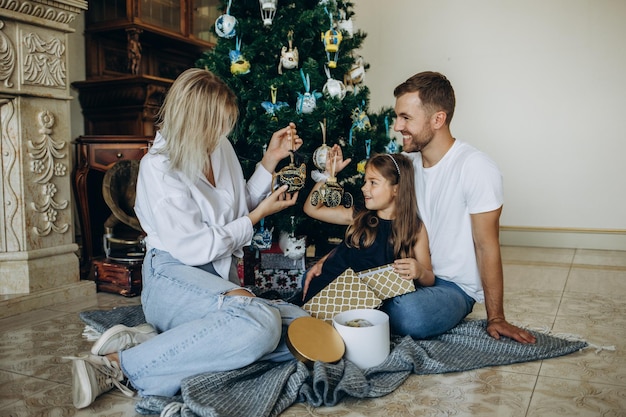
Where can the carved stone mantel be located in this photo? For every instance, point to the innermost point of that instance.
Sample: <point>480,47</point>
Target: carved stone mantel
<point>38,261</point>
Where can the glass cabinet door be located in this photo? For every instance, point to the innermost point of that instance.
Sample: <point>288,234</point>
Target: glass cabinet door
<point>161,13</point>
<point>203,15</point>
<point>192,19</point>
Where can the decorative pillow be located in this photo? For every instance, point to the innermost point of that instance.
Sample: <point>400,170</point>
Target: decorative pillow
<point>346,292</point>
<point>351,290</point>
<point>385,282</point>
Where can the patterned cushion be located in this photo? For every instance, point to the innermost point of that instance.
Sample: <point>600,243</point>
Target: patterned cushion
<point>350,290</point>
<point>386,283</point>
<point>346,292</point>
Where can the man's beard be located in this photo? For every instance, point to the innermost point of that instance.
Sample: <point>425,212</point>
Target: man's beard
<point>419,143</point>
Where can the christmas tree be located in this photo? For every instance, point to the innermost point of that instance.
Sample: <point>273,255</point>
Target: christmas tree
<point>278,57</point>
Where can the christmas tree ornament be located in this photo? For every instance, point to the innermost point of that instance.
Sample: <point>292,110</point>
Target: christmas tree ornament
<point>356,74</point>
<point>333,88</point>
<point>262,239</point>
<point>360,167</point>
<point>392,146</point>
<point>360,121</point>
<point>225,25</point>
<point>293,247</point>
<point>307,102</point>
<point>331,194</point>
<point>345,24</point>
<point>321,153</point>
<point>268,11</point>
<point>292,176</point>
<point>332,39</point>
<point>288,57</point>
<point>239,65</point>
<point>272,106</point>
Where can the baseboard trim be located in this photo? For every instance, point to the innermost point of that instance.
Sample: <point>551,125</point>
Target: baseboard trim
<point>556,237</point>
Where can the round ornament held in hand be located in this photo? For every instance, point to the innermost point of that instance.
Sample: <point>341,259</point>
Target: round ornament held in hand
<point>319,157</point>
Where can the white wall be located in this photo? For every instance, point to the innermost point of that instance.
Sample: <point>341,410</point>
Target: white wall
<point>541,87</point>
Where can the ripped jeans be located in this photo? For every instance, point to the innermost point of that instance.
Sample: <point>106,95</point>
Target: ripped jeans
<point>200,329</point>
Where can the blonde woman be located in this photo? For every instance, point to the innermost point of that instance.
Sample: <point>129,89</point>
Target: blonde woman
<point>198,213</point>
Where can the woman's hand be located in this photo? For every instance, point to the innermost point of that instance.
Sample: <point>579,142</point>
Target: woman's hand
<point>282,144</point>
<point>279,200</point>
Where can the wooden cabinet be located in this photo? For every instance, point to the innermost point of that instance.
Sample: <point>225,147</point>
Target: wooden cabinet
<point>147,37</point>
<point>123,105</point>
<point>134,49</point>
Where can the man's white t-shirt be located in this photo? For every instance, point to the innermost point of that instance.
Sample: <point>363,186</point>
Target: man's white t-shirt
<point>464,182</point>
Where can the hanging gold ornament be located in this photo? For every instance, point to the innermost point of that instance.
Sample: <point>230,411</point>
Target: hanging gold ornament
<point>292,176</point>
<point>331,194</point>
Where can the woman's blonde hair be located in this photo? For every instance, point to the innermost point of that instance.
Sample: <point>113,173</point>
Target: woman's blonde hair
<point>398,170</point>
<point>198,111</point>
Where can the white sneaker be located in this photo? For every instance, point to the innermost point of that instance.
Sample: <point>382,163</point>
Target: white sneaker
<point>122,337</point>
<point>94,375</point>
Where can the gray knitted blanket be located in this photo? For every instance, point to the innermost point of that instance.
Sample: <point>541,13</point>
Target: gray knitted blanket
<point>277,386</point>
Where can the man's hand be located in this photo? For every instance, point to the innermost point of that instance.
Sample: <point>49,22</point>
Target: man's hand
<point>500,327</point>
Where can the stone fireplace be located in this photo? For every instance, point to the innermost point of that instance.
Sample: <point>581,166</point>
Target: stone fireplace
<point>39,265</point>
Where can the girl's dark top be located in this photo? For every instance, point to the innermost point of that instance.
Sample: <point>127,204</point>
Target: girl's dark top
<point>344,257</point>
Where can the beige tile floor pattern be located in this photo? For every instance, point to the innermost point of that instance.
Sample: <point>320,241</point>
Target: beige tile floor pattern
<point>564,291</point>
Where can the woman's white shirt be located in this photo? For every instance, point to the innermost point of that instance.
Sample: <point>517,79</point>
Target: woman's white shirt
<point>194,221</point>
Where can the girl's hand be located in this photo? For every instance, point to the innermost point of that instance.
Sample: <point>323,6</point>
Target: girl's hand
<point>315,271</point>
<point>282,144</point>
<point>335,156</point>
<point>407,268</point>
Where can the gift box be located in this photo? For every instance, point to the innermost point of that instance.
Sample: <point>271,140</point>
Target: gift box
<point>277,272</point>
<point>274,258</point>
<point>278,279</point>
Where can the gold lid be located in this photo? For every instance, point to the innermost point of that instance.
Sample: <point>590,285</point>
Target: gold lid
<point>310,339</point>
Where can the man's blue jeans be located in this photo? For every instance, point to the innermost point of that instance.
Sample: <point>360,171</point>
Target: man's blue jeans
<point>428,311</point>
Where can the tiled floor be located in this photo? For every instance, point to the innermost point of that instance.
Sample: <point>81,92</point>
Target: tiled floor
<point>564,291</point>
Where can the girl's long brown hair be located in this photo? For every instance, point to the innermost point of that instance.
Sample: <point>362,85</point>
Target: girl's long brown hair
<point>407,223</point>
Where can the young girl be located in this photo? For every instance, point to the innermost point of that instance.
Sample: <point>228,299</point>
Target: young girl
<point>387,230</point>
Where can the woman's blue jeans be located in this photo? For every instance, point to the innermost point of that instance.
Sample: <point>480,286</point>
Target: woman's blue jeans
<point>428,311</point>
<point>200,328</point>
